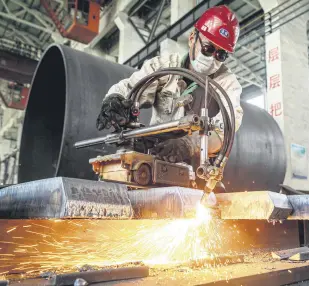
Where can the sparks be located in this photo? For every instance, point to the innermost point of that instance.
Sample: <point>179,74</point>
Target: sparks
<point>10,230</point>
<point>64,246</point>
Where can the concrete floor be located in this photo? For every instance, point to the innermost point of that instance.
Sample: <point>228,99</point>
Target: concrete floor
<point>207,276</point>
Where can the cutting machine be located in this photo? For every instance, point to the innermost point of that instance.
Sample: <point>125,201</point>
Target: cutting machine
<point>136,166</point>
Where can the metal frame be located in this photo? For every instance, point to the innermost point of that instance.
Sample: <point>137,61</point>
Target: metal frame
<point>27,24</point>
<point>137,30</point>
<point>147,33</point>
<point>155,25</point>
<point>19,47</point>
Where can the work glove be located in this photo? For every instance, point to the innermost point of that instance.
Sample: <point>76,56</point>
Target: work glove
<point>173,150</point>
<point>115,111</point>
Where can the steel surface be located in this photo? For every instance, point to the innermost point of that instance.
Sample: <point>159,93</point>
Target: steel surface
<point>102,275</point>
<point>254,205</point>
<point>63,108</point>
<point>165,202</point>
<point>300,204</point>
<point>63,105</point>
<point>249,274</point>
<point>65,198</point>
<point>276,277</point>
<point>258,159</point>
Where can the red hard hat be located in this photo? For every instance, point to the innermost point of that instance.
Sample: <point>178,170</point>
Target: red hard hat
<point>219,25</point>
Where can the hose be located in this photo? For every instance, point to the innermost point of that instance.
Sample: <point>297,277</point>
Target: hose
<point>229,123</point>
<point>146,81</point>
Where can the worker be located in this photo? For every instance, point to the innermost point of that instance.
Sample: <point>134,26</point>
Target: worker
<point>213,38</point>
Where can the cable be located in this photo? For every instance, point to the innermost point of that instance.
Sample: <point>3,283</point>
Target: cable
<point>200,81</point>
<point>228,120</point>
<point>194,77</point>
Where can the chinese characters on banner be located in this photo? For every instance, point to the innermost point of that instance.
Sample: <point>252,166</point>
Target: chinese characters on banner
<point>273,54</point>
<point>275,109</point>
<point>274,81</point>
<point>274,78</point>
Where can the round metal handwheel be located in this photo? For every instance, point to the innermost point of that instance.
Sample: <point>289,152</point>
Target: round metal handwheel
<point>142,176</point>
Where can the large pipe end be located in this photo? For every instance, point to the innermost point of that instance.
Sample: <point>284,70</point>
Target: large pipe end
<point>44,119</point>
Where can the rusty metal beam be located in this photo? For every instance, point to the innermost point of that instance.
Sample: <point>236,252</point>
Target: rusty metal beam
<point>263,205</point>
<point>273,278</point>
<point>102,275</point>
<point>254,205</point>
<point>16,68</point>
<point>300,205</point>
<point>65,198</point>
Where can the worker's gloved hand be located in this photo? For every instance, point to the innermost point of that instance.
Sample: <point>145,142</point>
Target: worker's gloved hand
<point>173,151</point>
<point>115,111</point>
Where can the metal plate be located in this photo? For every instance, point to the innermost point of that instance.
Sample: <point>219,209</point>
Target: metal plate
<point>164,202</point>
<point>65,198</point>
<point>170,174</point>
<point>254,205</point>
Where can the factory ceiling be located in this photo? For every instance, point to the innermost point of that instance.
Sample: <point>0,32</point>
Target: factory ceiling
<point>26,30</point>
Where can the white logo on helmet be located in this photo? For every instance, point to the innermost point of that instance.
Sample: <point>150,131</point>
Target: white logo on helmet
<point>204,28</point>
<point>224,33</point>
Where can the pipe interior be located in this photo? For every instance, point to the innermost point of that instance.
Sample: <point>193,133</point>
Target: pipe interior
<point>44,120</point>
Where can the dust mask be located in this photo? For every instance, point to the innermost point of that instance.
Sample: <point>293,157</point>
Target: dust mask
<point>205,65</point>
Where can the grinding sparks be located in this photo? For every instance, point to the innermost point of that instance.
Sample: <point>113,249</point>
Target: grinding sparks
<point>51,246</point>
<point>10,230</point>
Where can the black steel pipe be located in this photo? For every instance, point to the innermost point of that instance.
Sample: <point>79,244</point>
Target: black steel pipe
<point>65,98</point>
<point>258,157</point>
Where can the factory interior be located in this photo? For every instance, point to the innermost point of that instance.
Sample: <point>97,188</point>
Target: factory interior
<point>154,142</point>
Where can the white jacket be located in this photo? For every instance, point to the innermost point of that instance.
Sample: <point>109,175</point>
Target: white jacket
<point>162,94</point>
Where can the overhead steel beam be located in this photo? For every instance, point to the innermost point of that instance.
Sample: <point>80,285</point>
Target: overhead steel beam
<point>248,80</point>
<point>28,38</point>
<point>5,6</point>
<point>19,13</point>
<point>136,30</point>
<point>16,68</point>
<point>20,49</point>
<point>155,25</point>
<point>251,51</point>
<point>251,4</point>
<point>139,6</point>
<point>16,19</point>
<point>242,65</point>
<point>37,15</point>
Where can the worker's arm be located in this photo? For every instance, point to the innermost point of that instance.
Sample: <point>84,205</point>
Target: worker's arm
<point>182,149</point>
<point>147,99</point>
<point>114,106</point>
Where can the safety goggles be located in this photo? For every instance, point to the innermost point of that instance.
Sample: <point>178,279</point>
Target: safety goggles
<point>208,50</point>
